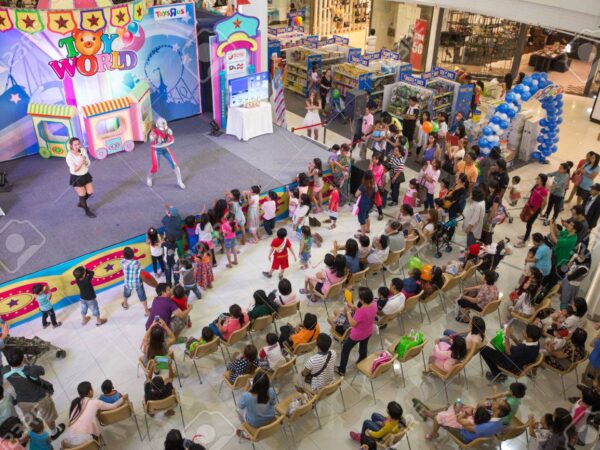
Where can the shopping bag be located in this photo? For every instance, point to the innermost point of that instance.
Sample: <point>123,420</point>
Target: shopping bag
<point>407,342</point>
<point>498,341</point>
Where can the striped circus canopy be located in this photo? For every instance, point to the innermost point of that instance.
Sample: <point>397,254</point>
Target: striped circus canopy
<point>106,106</point>
<point>67,5</point>
<point>60,111</point>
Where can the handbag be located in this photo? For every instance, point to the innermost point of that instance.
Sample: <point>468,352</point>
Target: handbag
<point>498,341</point>
<point>377,199</point>
<point>527,212</point>
<point>401,178</point>
<point>355,208</point>
<point>308,378</point>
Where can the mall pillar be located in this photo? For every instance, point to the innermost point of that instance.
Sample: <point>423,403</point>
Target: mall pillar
<point>258,9</point>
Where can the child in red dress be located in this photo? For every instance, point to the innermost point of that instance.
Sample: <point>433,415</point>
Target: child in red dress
<point>279,250</point>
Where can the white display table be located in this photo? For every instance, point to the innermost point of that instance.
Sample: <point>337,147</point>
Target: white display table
<point>246,123</point>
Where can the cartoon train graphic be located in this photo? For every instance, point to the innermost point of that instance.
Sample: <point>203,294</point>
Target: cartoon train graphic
<point>53,126</point>
<point>111,126</point>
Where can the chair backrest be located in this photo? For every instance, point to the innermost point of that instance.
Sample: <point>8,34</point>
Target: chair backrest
<point>282,369</point>
<point>410,243</point>
<point>261,323</point>
<point>469,271</point>
<point>268,430</point>
<point>373,268</point>
<point>431,297</point>
<point>387,318</point>
<point>326,391</point>
<point>395,436</point>
<point>89,445</point>
<point>491,307</point>
<point>413,301</point>
<point>238,335</point>
<point>394,257</point>
<point>340,337</point>
<point>288,310</point>
<point>451,373</point>
<point>241,381</point>
<point>357,277</point>
<point>412,352</point>
<point>527,369</point>
<point>119,414</point>
<point>153,406</point>
<point>206,349</point>
<point>303,409</point>
<point>307,347</point>
<point>383,368</point>
<point>335,290</point>
<point>553,291</point>
<point>450,282</point>
<point>514,429</point>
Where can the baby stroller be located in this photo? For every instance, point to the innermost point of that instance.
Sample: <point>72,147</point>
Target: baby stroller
<point>491,255</point>
<point>32,348</point>
<point>338,107</point>
<point>442,237</point>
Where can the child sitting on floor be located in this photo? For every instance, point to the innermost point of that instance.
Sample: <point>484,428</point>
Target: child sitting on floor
<point>109,393</point>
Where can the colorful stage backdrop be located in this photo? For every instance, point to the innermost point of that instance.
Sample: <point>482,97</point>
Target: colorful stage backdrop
<point>17,304</point>
<point>82,57</point>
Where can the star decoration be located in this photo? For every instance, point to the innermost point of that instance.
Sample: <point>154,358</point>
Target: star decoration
<point>12,303</point>
<point>138,11</point>
<point>2,21</point>
<point>93,20</point>
<point>237,23</point>
<point>120,16</point>
<point>109,267</point>
<point>29,22</point>
<point>15,98</point>
<point>175,47</point>
<point>61,22</point>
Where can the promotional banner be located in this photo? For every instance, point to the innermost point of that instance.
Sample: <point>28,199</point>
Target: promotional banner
<point>81,57</point>
<point>418,44</point>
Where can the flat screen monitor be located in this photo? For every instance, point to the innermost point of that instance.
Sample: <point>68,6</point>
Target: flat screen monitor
<point>249,88</point>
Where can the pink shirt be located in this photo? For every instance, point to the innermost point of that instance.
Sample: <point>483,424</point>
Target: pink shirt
<point>269,207</point>
<point>377,173</point>
<point>231,325</point>
<point>367,123</point>
<point>434,175</point>
<point>228,232</point>
<point>87,422</point>
<point>365,316</point>
<point>538,194</point>
<point>330,278</point>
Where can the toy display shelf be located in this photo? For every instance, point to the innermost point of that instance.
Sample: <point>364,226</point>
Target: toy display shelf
<point>395,99</point>
<point>444,92</point>
<point>297,66</point>
<point>384,72</point>
<point>345,76</point>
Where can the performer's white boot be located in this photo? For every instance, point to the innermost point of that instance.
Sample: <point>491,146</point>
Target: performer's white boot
<point>149,180</point>
<point>178,175</point>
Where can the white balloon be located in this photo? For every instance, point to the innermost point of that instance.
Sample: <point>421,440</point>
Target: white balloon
<point>493,138</point>
<point>503,116</point>
<point>500,131</point>
<point>525,88</point>
<point>496,127</point>
<point>518,97</point>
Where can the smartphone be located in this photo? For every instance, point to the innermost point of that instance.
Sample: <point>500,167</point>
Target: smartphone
<point>157,318</point>
<point>418,218</point>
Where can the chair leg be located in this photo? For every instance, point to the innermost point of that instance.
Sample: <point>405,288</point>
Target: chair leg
<point>466,380</point>
<point>408,442</point>
<point>499,318</point>
<point>233,396</point>
<point>420,311</point>
<point>343,401</point>
<point>147,427</point>
<point>177,372</point>
<point>223,354</point>
<point>403,378</point>
<point>383,276</point>
<point>221,386</point>
<point>275,328</point>
<point>354,377</point>
<point>562,380</point>
<point>318,418</point>
<point>381,338</point>
<point>137,425</point>
<point>427,313</point>
<point>197,371</point>
<point>300,314</point>
<point>446,392</point>
<point>326,310</point>
<point>481,363</point>
<point>424,363</point>
<point>182,419</point>
<point>251,338</point>
<point>402,322</point>
<point>373,391</point>
<point>442,302</point>
<point>228,354</point>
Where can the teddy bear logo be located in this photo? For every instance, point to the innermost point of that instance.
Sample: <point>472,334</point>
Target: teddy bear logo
<point>87,42</point>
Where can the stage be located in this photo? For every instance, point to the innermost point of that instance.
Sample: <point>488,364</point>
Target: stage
<point>43,221</point>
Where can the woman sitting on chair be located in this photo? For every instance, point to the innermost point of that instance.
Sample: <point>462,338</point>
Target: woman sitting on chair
<point>484,294</point>
<point>474,337</point>
<point>257,405</point>
<point>572,351</point>
<point>323,280</point>
<point>156,343</point>
<point>445,355</point>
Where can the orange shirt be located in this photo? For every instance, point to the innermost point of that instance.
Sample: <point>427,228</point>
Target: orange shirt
<point>303,336</point>
<point>470,171</point>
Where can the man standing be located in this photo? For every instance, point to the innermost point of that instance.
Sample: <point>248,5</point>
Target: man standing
<point>409,121</point>
<point>173,226</point>
<point>131,279</point>
<point>592,206</point>
<point>33,395</point>
<point>467,166</point>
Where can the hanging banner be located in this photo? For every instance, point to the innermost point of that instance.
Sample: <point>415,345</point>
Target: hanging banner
<point>119,16</point>
<point>418,43</point>
<point>92,20</point>
<point>28,21</point>
<point>61,22</point>
<point>139,9</point>
<point>5,21</point>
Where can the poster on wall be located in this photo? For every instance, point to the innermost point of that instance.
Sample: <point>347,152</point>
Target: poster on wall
<point>418,44</point>
<point>82,57</point>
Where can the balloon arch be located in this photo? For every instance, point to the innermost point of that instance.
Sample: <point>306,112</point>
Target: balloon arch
<point>536,85</point>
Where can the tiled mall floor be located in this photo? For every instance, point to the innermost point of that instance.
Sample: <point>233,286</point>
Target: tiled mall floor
<point>111,351</point>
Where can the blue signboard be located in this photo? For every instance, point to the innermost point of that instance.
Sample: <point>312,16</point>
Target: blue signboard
<point>341,40</point>
<point>353,53</point>
<point>365,82</point>
<point>463,99</point>
<point>372,56</point>
<point>390,55</point>
<point>443,73</point>
<point>405,69</point>
<point>414,80</point>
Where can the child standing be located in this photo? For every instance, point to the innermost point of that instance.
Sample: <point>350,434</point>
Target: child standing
<point>228,228</point>
<point>315,170</point>
<point>294,201</point>
<point>204,230</point>
<point>38,438</point>
<point>279,251</point>
<point>154,241</point>
<point>189,228</point>
<point>514,193</point>
<point>443,189</point>
<point>43,296</point>
<point>171,259</point>
<point>109,393</point>
<point>410,196</point>
<point>87,294</point>
<point>305,246</point>
<point>269,211</point>
<point>204,272</point>
<point>235,206</point>
<point>334,199</point>
<point>188,278</point>
<point>253,199</point>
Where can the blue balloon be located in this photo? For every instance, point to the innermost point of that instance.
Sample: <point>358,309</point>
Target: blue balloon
<point>495,119</point>
<point>483,142</point>
<point>485,151</point>
<point>518,89</point>
<point>541,139</point>
<point>543,75</point>
<point>133,27</point>
<point>510,98</point>
<point>536,156</point>
<point>511,113</point>
<point>504,124</point>
<point>559,121</point>
<point>558,111</point>
<point>527,81</point>
<point>555,140</point>
<point>559,97</point>
<point>525,96</point>
<point>487,130</point>
<point>546,152</point>
<point>543,122</point>
<point>535,75</point>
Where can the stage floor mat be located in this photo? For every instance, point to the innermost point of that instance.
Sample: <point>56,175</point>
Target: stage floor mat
<point>41,211</point>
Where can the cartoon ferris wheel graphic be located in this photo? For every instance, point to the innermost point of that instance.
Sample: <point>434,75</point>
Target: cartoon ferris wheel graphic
<point>164,69</point>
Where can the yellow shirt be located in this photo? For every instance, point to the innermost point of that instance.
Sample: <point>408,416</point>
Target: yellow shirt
<point>388,426</point>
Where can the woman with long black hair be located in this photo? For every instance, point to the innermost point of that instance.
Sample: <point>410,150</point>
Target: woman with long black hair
<point>366,199</point>
<point>257,405</point>
<point>537,201</point>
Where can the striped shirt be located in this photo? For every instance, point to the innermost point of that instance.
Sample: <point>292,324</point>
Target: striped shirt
<point>315,363</point>
<point>397,164</point>
<point>131,273</point>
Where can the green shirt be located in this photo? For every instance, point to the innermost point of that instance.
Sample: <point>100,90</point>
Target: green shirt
<point>564,247</point>
<point>259,311</point>
<point>514,404</point>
